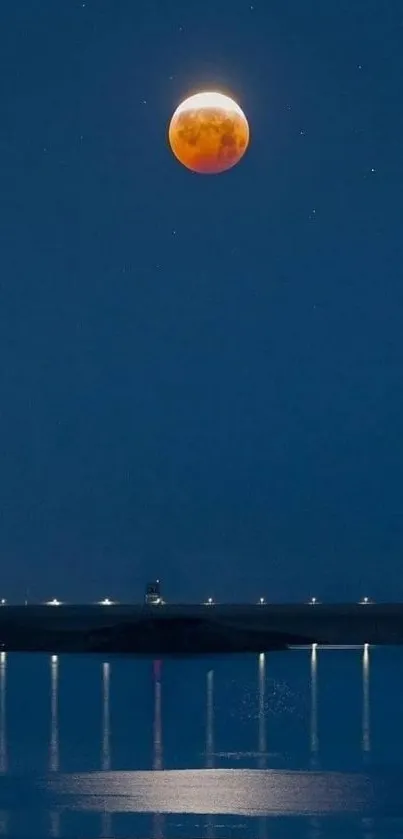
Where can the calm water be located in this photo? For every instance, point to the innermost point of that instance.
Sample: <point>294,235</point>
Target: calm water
<point>305,743</point>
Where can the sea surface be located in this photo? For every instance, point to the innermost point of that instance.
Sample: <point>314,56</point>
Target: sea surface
<point>306,743</point>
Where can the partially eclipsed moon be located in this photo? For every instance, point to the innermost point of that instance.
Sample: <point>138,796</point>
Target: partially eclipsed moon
<point>209,133</point>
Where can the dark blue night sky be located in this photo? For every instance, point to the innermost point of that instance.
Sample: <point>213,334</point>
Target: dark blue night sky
<point>201,377</point>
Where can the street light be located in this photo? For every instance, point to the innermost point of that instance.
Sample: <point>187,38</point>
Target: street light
<point>54,602</point>
<point>210,601</point>
<point>261,601</point>
<point>106,602</point>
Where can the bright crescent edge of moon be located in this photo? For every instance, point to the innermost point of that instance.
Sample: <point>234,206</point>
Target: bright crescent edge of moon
<point>209,99</point>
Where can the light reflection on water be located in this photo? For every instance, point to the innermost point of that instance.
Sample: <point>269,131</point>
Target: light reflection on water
<point>247,792</point>
<point>366,730</point>
<point>270,785</point>
<point>106,826</point>
<point>3,727</point>
<point>314,737</point>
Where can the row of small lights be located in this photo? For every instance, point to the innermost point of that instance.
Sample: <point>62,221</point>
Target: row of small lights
<point>56,602</point>
<point>363,602</point>
<point>312,602</point>
<point>54,658</point>
<point>209,602</point>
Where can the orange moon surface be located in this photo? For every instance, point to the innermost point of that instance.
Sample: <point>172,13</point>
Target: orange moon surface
<point>208,133</point>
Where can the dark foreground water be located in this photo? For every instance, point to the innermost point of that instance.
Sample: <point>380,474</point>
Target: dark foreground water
<point>305,743</point>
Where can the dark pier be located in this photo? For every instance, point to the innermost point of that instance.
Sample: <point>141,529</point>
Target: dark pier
<point>195,629</point>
